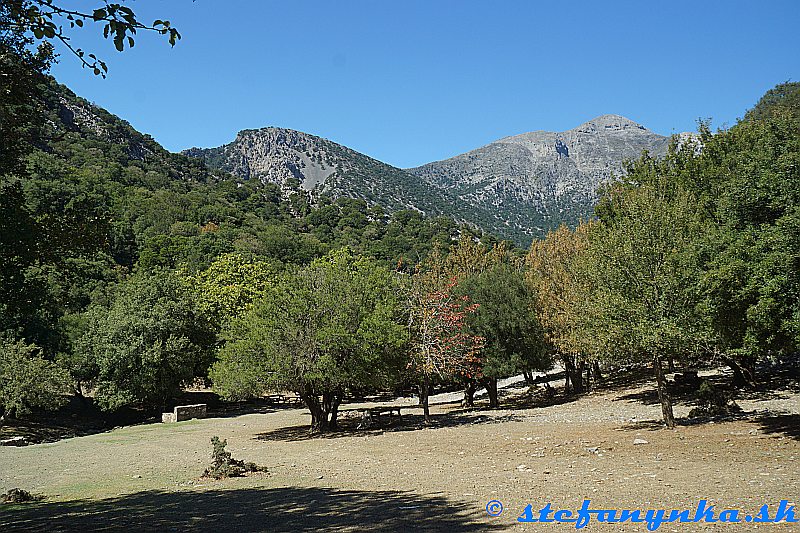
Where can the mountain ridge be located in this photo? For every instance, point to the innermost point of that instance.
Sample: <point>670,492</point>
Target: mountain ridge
<point>534,181</point>
<point>518,187</point>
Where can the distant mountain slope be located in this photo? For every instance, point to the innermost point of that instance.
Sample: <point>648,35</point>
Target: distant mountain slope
<point>529,183</point>
<point>275,155</point>
<point>68,118</point>
<point>517,188</point>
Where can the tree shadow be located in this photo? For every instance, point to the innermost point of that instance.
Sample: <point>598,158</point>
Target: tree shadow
<point>784,424</point>
<point>276,510</point>
<point>680,393</point>
<point>349,427</point>
<point>81,417</point>
<point>538,398</point>
<point>625,378</point>
<point>653,425</point>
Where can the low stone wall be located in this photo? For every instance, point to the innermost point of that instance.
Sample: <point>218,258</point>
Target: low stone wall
<point>184,412</point>
<point>187,412</point>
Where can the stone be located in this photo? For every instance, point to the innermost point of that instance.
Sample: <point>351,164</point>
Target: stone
<point>185,412</point>
<point>640,441</point>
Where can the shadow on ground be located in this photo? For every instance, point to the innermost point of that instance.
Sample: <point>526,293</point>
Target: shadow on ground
<point>82,417</point>
<point>349,427</point>
<point>653,425</point>
<point>788,425</point>
<point>538,398</point>
<point>776,424</point>
<point>274,510</point>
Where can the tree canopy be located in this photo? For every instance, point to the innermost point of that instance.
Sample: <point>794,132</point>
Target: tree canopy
<point>321,331</point>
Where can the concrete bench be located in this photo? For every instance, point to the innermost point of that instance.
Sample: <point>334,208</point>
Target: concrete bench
<point>184,412</point>
<point>374,411</point>
<point>378,411</point>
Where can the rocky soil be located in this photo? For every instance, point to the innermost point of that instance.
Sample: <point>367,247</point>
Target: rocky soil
<point>606,446</point>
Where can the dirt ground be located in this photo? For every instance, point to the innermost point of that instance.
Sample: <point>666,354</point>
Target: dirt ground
<point>402,476</point>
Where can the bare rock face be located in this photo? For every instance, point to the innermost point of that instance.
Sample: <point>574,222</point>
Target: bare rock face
<point>275,155</point>
<point>535,181</point>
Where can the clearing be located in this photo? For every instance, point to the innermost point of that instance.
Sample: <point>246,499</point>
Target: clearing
<point>401,475</point>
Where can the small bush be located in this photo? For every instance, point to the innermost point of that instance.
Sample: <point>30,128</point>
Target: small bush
<point>18,496</point>
<point>712,401</point>
<point>224,466</point>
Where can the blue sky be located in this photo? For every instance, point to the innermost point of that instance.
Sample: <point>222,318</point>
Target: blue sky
<point>409,82</point>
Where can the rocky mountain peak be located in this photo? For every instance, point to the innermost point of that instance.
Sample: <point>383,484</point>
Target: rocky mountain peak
<point>274,155</point>
<point>533,182</point>
<point>609,123</point>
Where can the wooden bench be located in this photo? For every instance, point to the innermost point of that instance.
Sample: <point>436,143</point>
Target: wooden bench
<point>283,399</point>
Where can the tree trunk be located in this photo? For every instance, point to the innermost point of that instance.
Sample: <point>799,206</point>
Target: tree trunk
<point>528,375</point>
<point>569,371</point>
<point>423,396</point>
<point>8,414</point>
<point>574,375</point>
<point>588,380</point>
<point>420,387</point>
<point>319,416</point>
<point>491,391</point>
<point>744,373</point>
<point>663,395</point>
<point>469,395</point>
<point>670,364</point>
<point>597,376</point>
<point>334,410</point>
<point>578,379</point>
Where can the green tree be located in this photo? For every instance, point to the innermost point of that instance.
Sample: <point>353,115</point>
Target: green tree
<point>513,338</point>
<point>48,20</point>
<point>147,343</point>
<point>645,265</point>
<point>228,287</point>
<point>783,100</point>
<point>320,332</point>
<point>28,381</point>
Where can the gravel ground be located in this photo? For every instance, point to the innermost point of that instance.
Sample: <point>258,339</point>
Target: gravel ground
<point>405,476</point>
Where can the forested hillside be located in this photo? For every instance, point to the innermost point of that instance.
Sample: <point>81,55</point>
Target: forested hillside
<point>88,203</point>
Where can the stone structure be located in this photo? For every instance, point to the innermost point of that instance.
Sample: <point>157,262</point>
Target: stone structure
<point>184,412</point>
